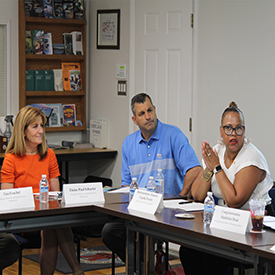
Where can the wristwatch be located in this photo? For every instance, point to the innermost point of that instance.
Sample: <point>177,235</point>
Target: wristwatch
<point>217,169</point>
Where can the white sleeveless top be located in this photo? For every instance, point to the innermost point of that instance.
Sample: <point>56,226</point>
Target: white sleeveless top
<point>247,156</point>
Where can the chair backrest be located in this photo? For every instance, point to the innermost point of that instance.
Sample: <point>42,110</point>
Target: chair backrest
<point>271,193</point>
<point>105,181</point>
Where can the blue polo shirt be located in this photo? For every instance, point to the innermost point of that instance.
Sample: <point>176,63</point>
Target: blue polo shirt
<point>168,149</point>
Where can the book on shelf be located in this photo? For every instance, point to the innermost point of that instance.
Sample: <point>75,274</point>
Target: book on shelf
<point>78,9</point>
<point>58,8</point>
<point>66,68</point>
<point>48,46</point>
<point>56,118</point>
<point>68,9</point>
<point>29,49</point>
<point>75,80</point>
<point>67,40</point>
<point>48,8</point>
<point>77,43</point>
<point>49,80</point>
<point>99,133</point>
<point>28,8</point>
<point>30,80</point>
<point>69,114</point>
<point>47,110</point>
<point>38,41</point>
<point>58,79</point>
<point>38,8</point>
<point>39,80</point>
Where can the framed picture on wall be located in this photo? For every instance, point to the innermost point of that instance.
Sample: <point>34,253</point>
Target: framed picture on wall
<point>108,29</point>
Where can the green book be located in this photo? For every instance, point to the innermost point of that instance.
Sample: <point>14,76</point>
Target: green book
<point>39,80</point>
<point>30,80</point>
<point>49,80</point>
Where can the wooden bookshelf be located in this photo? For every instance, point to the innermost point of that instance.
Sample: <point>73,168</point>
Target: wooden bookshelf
<point>49,62</point>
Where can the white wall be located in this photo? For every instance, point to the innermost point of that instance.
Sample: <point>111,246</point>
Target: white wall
<point>236,61</point>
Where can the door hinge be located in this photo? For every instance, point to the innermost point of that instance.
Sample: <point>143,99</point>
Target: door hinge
<point>191,20</point>
<point>190,124</point>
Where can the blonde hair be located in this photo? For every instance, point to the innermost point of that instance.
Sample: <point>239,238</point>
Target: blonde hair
<point>26,116</point>
<point>232,108</point>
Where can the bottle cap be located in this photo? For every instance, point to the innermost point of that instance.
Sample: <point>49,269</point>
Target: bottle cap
<point>151,177</point>
<point>134,179</point>
<point>44,176</point>
<point>209,193</point>
<point>159,170</point>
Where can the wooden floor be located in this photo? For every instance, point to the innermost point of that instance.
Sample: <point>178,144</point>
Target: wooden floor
<point>32,268</point>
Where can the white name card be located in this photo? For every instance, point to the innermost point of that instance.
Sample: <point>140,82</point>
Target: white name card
<point>16,199</point>
<point>231,219</point>
<point>145,201</point>
<point>83,193</point>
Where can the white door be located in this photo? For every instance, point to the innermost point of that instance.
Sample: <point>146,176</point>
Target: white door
<point>163,58</point>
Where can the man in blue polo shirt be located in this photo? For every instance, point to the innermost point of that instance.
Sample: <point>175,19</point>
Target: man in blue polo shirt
<point>155,145</point>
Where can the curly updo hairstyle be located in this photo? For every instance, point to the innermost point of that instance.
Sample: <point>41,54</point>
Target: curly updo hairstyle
<point>232,108</point>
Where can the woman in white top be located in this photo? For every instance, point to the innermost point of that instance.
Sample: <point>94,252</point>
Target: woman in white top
<point>235,171</point>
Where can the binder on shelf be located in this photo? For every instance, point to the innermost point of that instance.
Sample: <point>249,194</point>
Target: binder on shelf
<point>39,80</point>
<point>66,67</point>
<point>48,46</point>
<point>49,82</point>
<point>30,80</point>
<point>29,49</point>
<point>99,133</point>
<point>77,43</point>
<point>58,79</point>
<point>38,41</point>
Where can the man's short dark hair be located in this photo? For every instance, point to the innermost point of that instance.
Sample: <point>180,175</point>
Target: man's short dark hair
<point>139,98</point>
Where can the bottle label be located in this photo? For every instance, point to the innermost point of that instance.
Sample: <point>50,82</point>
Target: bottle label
<point>151,189</point>
<point>159,182</point>
<point>132,192</point>
<point>209,208</point>
<point>44,189</point>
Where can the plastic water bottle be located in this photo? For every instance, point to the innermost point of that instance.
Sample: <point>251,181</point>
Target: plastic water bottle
<point>159,182</point>
<point>44,189</point>
<point>133,187</point>
<point>151,185</point>
<point>209,207</point>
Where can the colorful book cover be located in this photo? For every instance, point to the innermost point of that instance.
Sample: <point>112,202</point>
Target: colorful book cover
<point>68,9</point>
<point>49,80</point>
<point>78,9</point>
<point>48,46</point>
<point>39,80</point>
<point>66,68</point>
<point>38,8</point>
<point>67,39</point>
<point>38,41</point>
<point>48,8</point>
<point>30,80</point>
<point>56,117</point>
<point>75,79</point>
<point>58,9</point>
<point>69,114</point>
<point>47,110</point>
<point>29,49</point>
<point>77,43</point>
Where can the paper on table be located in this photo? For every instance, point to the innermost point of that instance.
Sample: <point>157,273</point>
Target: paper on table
<point>124,190</point>
<point>174,204</point>
<point>269,221</point>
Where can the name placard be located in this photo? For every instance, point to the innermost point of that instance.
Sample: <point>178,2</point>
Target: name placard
<point>16,199</point>
<point>83,193</point>
<point>231,219</point>
<point>145,201</point>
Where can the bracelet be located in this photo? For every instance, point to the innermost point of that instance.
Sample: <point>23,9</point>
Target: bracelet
<point>207,174</point>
